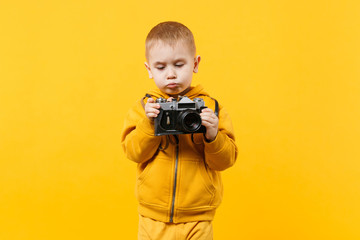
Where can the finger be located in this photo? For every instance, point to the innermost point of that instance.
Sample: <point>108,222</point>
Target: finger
<point>152,110</point>
<point>152,105</point>
<point>152,115</point>
<point>150,100</point>
<point>208,122</point>
<point>208,115</point>
<point>207,118</point>
<point>210,128</point>
<point>207,110</point>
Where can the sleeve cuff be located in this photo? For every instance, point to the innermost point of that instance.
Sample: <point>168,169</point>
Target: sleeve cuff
<point>147,126</point>
<point>216,145</point>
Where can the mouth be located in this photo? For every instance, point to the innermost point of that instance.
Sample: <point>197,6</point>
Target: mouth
<point>171,85</point>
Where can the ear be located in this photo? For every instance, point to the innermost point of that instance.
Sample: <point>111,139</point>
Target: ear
<point>196,63</point>
<point>148,69</point>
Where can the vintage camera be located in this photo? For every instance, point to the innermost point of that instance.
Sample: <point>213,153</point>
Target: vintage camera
<point>179,117</point>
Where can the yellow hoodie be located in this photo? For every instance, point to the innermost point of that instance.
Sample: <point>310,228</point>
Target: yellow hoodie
<point>180,182</point>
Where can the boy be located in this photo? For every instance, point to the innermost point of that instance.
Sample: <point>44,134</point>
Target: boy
<point>178,176</point>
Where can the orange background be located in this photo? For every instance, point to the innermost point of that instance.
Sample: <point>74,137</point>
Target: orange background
<point>287,72</point>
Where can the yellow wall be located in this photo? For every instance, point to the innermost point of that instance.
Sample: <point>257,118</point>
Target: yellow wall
<point>288,73</point>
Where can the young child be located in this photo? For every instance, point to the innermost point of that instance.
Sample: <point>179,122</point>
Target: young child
<point>178,182</point>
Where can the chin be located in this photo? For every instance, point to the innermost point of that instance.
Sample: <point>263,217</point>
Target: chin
<point>172,92</point>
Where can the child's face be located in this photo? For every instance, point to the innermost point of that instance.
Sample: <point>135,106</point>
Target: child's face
<point>172,67</point>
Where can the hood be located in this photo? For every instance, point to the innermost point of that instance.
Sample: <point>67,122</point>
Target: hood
<point>196,91</point>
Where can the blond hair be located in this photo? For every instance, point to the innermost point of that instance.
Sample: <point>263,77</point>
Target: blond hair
<point>170,33</point>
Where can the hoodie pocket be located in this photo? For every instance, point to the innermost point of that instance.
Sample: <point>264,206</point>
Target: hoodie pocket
<point>196,189</point>
<point>154,183</point>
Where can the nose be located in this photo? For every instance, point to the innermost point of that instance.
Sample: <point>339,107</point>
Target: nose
<point>171,74</point>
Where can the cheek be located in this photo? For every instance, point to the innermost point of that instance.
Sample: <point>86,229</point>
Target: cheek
<point>157,75</point>
<point>159,79</point>
<point>188,75</point>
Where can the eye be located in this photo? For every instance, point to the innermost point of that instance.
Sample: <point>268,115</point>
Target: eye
<point>160,67</point>
<point>179,64</point>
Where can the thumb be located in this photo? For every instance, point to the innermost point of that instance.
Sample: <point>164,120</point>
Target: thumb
<point>150,100</point>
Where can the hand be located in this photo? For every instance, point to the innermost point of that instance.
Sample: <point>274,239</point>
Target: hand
<point>152,109</point>
<point>211,122</point>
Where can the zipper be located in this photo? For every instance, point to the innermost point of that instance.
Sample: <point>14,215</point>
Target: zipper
<point>175,179</point>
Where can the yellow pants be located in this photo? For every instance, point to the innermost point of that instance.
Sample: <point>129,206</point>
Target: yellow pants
<point>150,229</point>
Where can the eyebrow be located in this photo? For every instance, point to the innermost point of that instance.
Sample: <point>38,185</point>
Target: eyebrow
<point>157,63</point>
<point>176,60</point>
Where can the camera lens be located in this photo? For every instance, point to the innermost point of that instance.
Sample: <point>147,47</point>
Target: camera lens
<point>189,121</point>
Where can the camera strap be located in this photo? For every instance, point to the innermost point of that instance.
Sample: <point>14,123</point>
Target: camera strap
<point>216,111</point>
<point>142,100</point>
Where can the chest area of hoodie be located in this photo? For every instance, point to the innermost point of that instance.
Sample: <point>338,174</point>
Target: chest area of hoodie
<point>187,149</point>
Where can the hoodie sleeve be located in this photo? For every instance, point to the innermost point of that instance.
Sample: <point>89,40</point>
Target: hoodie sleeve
<point>137,138</point>
<point>221,153</point>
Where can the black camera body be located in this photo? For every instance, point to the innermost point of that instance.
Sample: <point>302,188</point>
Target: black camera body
<point>179,117</point>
